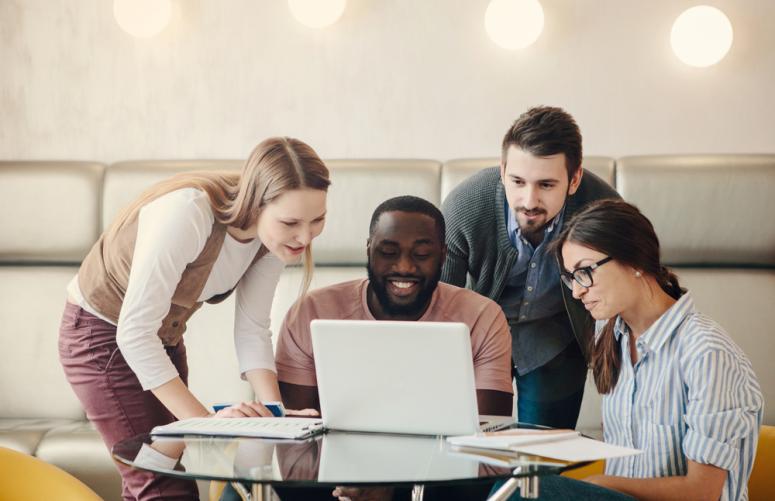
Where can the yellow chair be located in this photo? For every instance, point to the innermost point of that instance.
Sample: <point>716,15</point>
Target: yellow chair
<point>24,477</point>
<point>596,468</point>
<point>761,485</point>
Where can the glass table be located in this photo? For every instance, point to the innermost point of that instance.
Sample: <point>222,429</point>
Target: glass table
<point>335,459</point>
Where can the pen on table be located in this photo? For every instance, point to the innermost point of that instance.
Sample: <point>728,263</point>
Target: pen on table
<point>276,408</point>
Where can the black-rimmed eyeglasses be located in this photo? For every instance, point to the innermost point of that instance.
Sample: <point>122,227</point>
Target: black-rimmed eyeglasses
<point>582,276</point>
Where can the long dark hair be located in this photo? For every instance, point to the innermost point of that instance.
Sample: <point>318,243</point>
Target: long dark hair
<point>619,230</point>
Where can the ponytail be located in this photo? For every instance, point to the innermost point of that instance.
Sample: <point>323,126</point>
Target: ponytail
<point>669,282</point>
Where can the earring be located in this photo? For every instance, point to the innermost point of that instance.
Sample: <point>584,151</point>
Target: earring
<point>637,274</point>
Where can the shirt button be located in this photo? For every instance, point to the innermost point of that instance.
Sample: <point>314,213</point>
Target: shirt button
<point>530,288</point>
<point>532,265</point>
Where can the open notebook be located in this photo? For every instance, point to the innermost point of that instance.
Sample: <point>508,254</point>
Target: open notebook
<point>286,428</point>
<point>566,445</point>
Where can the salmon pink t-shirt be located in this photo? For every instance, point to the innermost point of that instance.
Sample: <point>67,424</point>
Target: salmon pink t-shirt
<point>490,334</point>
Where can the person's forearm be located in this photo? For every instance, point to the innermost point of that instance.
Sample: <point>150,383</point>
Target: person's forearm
<point>264,384</point>
<point>177,398</point>
<point>679,488</point>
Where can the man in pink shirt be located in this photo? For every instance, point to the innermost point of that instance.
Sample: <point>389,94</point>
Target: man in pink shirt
<point>406,251</point>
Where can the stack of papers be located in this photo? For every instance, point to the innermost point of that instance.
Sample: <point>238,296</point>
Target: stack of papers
<point>566,445</point>
<point>288,428</point>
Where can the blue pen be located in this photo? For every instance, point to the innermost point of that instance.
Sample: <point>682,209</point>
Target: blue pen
<point>276,408</point>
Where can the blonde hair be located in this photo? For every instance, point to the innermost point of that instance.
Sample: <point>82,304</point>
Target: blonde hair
<point>275,166</point>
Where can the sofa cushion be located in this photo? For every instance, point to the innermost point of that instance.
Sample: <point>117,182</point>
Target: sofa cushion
<point>78,449</point>
<point>51,210</point>
<point>357,187</point>
<point>24,435</point>
<point>125,181</point>
<point>32,382</point>
<point>706,209</point>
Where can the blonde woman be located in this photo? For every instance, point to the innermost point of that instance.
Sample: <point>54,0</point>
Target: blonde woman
<point>194,238</point>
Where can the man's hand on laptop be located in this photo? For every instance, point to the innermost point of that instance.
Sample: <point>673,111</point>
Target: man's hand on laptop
<point>244,409</point>
<point>363,493</point>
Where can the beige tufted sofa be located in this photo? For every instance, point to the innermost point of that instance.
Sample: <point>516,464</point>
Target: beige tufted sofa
<point>713,215</point>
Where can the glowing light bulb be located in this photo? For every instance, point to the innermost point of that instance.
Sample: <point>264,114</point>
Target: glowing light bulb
<point>514,24</point>
<point>317,13</point>
<point>701,36</point>
<point>142,18</point>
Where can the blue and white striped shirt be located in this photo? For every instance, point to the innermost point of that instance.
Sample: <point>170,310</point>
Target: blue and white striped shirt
<point>692,394</point>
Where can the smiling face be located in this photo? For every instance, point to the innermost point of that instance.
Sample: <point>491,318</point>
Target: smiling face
<point>405,258</point>
<point>536,187</point>
<point>615,286</point>
<point>288,224</point>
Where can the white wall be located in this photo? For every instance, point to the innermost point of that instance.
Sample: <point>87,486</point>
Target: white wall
<point>393,78</point>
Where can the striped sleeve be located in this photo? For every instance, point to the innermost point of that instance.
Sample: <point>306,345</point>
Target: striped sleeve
<point>722,408</point>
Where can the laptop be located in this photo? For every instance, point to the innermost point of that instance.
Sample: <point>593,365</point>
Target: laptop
<point>397,377</point>
<point>380,458</point>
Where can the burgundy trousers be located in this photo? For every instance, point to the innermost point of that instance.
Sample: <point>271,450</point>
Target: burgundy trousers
<point>113,399</point>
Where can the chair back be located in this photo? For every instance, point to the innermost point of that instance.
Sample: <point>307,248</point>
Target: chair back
<point>24,477</point>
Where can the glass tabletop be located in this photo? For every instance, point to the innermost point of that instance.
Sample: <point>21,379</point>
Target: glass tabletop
<point>330,459</point>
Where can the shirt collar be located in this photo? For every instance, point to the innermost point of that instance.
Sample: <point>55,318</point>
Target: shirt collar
<point>665,326</point>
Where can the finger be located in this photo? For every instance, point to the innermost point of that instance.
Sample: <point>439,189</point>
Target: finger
<point>246,409</point>
<point>260,409</point>
<point>231,412</point>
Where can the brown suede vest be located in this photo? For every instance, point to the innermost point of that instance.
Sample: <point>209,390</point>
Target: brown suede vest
<point>104,276</point>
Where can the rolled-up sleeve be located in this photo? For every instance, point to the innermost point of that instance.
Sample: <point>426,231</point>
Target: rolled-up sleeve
<point>724,407</point>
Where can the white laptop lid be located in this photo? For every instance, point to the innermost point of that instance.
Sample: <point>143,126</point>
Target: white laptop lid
<point>397,377</point>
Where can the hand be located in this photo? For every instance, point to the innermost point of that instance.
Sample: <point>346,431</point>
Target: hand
<point>363,493</point>
<point>302,412</point>
<point>244,409</point>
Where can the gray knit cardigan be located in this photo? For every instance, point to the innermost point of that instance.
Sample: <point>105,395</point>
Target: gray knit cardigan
<point>479,252</point>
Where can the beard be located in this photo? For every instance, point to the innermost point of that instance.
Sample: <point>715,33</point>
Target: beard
<point>531,228</point>
<point>412,309</point>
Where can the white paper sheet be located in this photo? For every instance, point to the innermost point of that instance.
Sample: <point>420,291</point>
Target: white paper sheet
<point>578,449</point>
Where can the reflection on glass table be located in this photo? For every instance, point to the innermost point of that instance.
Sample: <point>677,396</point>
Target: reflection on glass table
<point>333,459</point>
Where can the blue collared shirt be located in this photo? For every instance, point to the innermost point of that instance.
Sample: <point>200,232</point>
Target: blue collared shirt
<point>532,299</point>
<point>692,394</point>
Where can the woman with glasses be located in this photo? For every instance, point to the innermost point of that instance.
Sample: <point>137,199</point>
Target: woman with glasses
<point>674,384</point>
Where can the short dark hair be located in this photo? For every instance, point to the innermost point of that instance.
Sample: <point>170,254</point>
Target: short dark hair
<point>409,203</point>
<point>543,131</point>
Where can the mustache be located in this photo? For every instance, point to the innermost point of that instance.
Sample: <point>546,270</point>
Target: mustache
<point>402,277</point>
<point>530,212</point>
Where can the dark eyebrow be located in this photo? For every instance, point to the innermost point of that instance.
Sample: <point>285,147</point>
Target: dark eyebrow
<point>576,266</point>
<point>548,180</point>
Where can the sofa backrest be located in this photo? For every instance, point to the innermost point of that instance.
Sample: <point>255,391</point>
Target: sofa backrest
<point>723,247</point>
<point>48,217</point>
